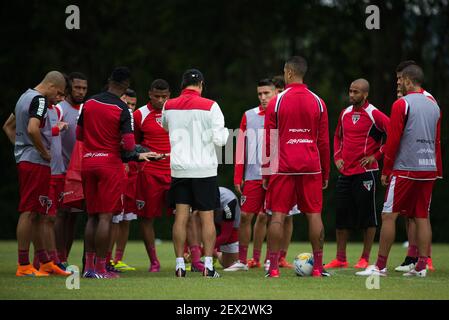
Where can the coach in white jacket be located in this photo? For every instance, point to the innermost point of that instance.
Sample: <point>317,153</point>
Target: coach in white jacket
<point>195,126</point>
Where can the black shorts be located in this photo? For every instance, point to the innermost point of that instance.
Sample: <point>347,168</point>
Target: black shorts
<point>200,193</point>
<point>356,201</point>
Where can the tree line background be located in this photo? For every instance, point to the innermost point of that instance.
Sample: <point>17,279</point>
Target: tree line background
<point>234,44</point>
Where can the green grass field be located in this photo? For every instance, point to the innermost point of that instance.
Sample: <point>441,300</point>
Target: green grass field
<point>249,285</point>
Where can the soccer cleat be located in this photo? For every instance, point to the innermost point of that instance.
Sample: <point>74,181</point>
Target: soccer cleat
<point>187,258</point>
<point>90,274</point>
<point>408,264</point>
<point>180,273</point>
<point>336,264</point>
<point>283,263</point>
<point>65,264</point>
<point>61,266</point>
<point>320,273</point>
<point>414,273</point>
<point>208,273</point>
<point>120,265</point>
<point>110,268</point>
<point>154,267</point>
<point>107,275</point>
<point>274,273</point>
<point>51,268</point>
<point>237,266</point>
<point>29,271</point>
<point>430,264</point>
<point>362,264</point>
<point>372,270</point>
<point>197,267</point>
<point>266,265</point>
<point>252,263</point>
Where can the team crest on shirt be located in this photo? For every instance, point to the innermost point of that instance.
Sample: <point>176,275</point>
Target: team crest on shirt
<point>159,121</point>
<point>242,200</point>
<point>140,204</point>
<point>45,201</point>
<point>355,118</point>
<point>368,184</point>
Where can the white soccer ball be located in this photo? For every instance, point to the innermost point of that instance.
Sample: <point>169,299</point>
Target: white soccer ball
<point>303,264</point>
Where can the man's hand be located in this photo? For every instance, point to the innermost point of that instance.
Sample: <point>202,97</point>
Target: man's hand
<point>325,184</point>
<point>238,188</point>
<point>62,125</point>
<point>367,161</point>
<point>148,156</point>
<point>385,180</point>
<point>265,183</point>
<point>46,155</point>
<point>339,163</point>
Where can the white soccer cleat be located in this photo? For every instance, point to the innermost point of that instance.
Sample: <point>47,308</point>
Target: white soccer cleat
<point>266,265</point>
<point>405,268</point>
<point>372,270</point>
<point>414,273</point>
<point>237,266</point>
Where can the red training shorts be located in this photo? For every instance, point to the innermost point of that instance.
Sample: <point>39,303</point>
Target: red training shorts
<point>286,191</point>
<point>34,181</point>
<point>253,197</point>
<point>56,194</point>
<point>152,194</point>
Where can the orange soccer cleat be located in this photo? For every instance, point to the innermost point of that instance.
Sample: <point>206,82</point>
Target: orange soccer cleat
<point>283,263</point>
<point>430,264</point>
<point>253,263</point>
<point>362,264</point>
<point>336,264</point>
<point>29,271</point>
<point>274,273</point>
<point>51,268</point>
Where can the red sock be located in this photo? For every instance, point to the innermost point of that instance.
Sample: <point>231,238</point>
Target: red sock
<point>365,255</point>
<point>412,251</point>
<point>195,254</point>
<point>381,262</point>
<point>274,260</point>
<point>243,253</point>
<point>54,256</point>
<point>100,265</point>
<point>282,254</point>
<point>341,256</point>
<point>153,255</point>
<point>62,255</point>
<point>43,256</point>
<point>118,255</point>
<point>256,255</point>
<point>108,256</point>
<point>24,257</point>
<point>90,261</point>
<point>422,263</point>
<point>318,260</point>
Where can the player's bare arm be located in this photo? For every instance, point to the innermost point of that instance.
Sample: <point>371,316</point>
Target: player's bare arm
<point>35,136</point>
<point>10,128</point>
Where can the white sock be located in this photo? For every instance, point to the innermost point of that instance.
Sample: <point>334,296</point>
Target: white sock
<point>180,263</point>
<point>208,263</point>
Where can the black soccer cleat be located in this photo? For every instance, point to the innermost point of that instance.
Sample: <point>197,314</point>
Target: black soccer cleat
<point>180,273</point>
<point>208,273</point>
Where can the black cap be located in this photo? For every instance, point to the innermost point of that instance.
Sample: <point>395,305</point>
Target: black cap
<point>193,75</point>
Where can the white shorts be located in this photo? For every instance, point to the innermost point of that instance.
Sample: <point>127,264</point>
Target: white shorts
<point>124,217</point>
<point>230,247</point>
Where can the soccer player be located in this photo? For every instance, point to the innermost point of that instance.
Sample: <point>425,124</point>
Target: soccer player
<point>55,192</point>
<point>412,163</point>
<point>153,179</point>
<point>297,164</point>
<point>248,179</point>
<point>196,127</point>
<point>32,143</point>
<point>66,217</point>
<point>412,253</point>
<point>358,147</point>
<point>121,222</point>
<point>105,126</point>
<point>227,221</point>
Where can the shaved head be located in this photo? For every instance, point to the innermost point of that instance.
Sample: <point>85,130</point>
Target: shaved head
<point>362,84</point>
<point>56,78</point>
